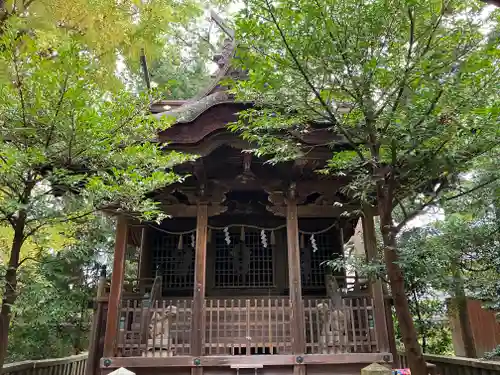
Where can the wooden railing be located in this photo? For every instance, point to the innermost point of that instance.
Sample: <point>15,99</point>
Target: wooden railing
<point>445,365</point>
<point>348,329</point>
<point>133,286</point>
<point>154,296</point>
<point>168,328</point>
<point>73,365</point>
<point>245,326</point>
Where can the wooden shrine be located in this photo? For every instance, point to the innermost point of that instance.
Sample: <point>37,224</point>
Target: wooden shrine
<point>236,279</point>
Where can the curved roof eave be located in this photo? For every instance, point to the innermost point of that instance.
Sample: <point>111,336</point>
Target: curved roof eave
<point>192,110</point>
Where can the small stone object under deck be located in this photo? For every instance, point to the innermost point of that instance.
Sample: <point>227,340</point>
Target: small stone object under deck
<point>376,369</point>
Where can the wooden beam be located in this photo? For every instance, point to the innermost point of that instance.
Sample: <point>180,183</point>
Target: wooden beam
<point>376,287</point>
<point>313,210</point>
<point>214,209</point>
<point>228,361</point>
<point>198,316</point>
<point>184,210</point>
<point>116,286</point>
<point>295,285</point>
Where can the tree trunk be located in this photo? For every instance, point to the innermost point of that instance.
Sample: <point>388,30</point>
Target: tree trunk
<point>409,335</point>
<point>10,293</point>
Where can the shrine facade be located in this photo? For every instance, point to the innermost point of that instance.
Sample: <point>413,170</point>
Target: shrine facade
<point>237,278</point>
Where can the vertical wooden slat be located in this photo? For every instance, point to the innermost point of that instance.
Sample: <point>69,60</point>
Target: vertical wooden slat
<point>116,287</point>
<point>279,337</point>
<point>297,326</point>
<point>187,307</point>
<point>225,326</point>
<point>219,349</point>
<point>238,325</point>
<point>231,329</point>
<point>376,287</point>
<point>139,310</point>
<point>283,323</point>
<point>124,314</point>
<point>312,336</point>
<point>367,327</point>
<point>197,321</point>
<point>248,325</point>
<point>210,325</point>
<point>154,308</point>
<point>164,349</point>
<point>262,322</point>
<point>353,327</point>
<point>347,319</point>
<point>269,328</point>
<point>321,348</point>
<point>147,320</point>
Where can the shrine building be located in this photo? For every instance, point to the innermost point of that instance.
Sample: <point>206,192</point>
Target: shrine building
<point>235,281</point>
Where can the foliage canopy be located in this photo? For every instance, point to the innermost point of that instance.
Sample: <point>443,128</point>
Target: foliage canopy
<point>411,87</point>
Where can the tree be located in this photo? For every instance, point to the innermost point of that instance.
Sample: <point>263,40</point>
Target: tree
<point>412,88</point>
<point>459,255</point>
<point>108,27</point>
<point>60,279</point>
<point>70,145</point>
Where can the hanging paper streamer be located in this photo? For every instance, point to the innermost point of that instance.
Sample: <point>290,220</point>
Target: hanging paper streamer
<point>313,243</point>
<point>179,246</point>
<point>227,237</point>
<point>193,240</point>
<point>273,238</point>
<point>263,238</point>
<point>302,241</point>
<point>209,235</point>
<point>242,234</point>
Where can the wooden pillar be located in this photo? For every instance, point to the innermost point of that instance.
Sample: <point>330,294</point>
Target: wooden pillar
<point>376,286</point>
<point>92,365</point>
<point>198,318</point>
<point>297,321</point>
<point>116,288</point>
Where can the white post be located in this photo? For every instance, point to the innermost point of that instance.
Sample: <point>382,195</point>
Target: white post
<point>122,371</point>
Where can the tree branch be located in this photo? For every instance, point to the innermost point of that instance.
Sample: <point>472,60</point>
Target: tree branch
<point>480,186</point>
<point>58,109</point>
<point>405,213</point>
<point>419,210</point>
<point>48,221</point>
<point>19,87</point>
<point>309,83</point>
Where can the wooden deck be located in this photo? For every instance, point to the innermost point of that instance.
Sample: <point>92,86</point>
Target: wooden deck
<point>75,365</point>
<point>346,364</point>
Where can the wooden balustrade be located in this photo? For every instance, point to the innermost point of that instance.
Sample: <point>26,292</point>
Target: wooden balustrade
<point>73,365</point>
<point>244,326</point>
<point>247,326</point>
<point>164,334</point>
<point>348,329</point>
<point>445,365</point>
